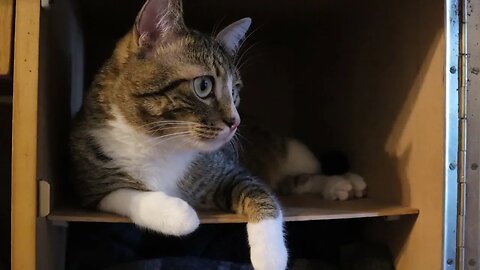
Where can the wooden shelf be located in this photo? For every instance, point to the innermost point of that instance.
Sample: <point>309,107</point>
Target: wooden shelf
<point>296,208</point>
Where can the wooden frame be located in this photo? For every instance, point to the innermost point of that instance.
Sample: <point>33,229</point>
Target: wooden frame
<point>415,149</point>
<point>24,145</point>
<point>6,29</point>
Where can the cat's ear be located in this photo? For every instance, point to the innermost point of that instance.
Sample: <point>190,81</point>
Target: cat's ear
<point>159,21</point>
<point>231,36</point>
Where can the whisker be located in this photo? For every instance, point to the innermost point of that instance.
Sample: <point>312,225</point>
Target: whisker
<point>216,27</point>
<point>168,138</point>
<point>244,52</point>
<point>249,35</point>
<point>234,149</point>
<point>207,129</point>
<point>170,135</point>
<point>207,135</point>
<point>163,129</point>
<point>249,60</point>
<point>237,149</point>
<point>169,122</point>
<point>240,136</point>
<point>238,142</point>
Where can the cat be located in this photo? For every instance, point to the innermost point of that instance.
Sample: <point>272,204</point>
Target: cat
<point>152,139</point>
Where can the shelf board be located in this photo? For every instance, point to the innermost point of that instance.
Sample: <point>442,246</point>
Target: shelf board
<point>296,208</point>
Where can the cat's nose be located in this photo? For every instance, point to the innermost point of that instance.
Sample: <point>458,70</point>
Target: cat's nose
<point>232,122</point>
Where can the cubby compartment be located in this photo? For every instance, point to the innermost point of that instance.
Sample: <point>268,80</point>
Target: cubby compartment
<point>362,77</point>
<point>5,173</point>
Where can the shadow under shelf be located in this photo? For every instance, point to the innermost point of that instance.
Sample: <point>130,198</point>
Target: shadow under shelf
<point>296,208</point>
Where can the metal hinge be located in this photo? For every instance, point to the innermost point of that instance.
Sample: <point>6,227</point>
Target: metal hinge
<point>463,63</point>
<point>43,198</point>
<point>45,4</point>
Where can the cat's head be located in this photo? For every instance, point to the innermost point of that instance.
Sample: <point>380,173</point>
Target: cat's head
<point>174,83</point>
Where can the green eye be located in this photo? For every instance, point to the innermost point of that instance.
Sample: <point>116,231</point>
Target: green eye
<point>203,86</point>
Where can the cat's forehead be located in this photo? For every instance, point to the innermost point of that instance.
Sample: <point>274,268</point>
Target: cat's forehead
<point>196,54</point>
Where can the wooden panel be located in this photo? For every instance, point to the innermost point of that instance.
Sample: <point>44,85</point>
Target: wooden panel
<point>386,102</point>
<point>6,20</point>
<point>60,68</point>
<point>24,145</point>
<point>295,209</point>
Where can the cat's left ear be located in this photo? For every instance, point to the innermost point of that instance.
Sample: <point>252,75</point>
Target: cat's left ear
<point>159,21</point>
<point>231,36</point>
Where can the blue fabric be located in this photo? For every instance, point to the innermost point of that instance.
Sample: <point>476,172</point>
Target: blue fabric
<point>184,263</point>
<point>99,246</point>
<point>328,245</point>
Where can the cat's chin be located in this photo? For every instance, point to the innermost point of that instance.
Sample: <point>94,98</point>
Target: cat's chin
<point>211,145</point>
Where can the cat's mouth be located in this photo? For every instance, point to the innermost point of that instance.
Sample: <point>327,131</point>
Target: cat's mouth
<point>212,138</point>
<point>205,138</point>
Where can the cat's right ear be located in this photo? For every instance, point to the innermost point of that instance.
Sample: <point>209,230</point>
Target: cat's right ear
<point>159,21</point>
<point>232,36</point>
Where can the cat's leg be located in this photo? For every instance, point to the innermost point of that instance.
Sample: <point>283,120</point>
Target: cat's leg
<point>246,196</point>
<point>301,174</point>
<point>359,185</point>
<point>334,187</point>
<point>152,210</point>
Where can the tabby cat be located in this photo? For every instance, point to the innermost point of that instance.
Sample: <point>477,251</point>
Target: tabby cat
<point>152,140</point>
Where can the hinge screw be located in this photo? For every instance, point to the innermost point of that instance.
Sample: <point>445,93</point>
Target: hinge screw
<point>475,70</point>
<point>453,70</point>
<point>452,166</point>
<point>474,166</point>
<point>472,262</point>
<point>450,261</point>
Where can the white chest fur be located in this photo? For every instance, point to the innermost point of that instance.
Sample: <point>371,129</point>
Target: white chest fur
<point>158,165</point>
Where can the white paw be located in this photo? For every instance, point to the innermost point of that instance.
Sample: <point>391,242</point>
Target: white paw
<point>337,188</point>
<point>267,245</point>
<point>165,214</point>
<point>359,185</point>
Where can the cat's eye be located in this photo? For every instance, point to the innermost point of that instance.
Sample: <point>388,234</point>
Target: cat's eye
<point>203,86</point>
<point>235,88</point>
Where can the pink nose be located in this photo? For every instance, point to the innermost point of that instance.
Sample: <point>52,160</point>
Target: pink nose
<point>232,123</point>
<point>234,126</point>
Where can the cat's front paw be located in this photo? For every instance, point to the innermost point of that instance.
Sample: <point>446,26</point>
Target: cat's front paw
<point>337,188</point>
<point>165,214</point>
<point>267,245</point>
<point>358,183</point>
<point>344,187</point>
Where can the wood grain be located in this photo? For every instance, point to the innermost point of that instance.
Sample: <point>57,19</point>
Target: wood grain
<point>295,209</point>
<point>24,144</point>
<point>6,24</point>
